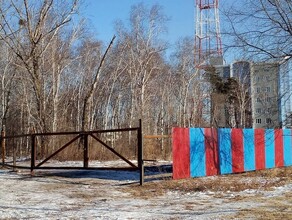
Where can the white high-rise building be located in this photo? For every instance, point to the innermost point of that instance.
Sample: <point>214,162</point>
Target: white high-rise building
<point>285,93</point>
<point>265,95</point>
<point>263,98</point>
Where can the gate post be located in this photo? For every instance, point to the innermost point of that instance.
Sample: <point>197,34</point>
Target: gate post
<point>140,152</point>
<point>14,156</point>
<point>3,146</point>
<point>33,153</point>
<point>85,151</point>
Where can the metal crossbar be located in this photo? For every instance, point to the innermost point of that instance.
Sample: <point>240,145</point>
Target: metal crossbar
<point>84,135</point>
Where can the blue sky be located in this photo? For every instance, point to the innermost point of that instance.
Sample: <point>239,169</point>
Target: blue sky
<point>103,13</point>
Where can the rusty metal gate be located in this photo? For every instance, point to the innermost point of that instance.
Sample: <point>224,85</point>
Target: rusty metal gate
<point>78,135</point>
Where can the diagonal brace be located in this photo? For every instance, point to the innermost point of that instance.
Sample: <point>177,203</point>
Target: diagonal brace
<point>58,151</point>
<point>112,150</point>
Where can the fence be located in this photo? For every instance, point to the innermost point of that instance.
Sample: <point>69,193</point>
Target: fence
<point>209,151</point>
<point>81,136</point>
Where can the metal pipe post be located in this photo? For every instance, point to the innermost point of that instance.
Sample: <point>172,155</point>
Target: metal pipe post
<point>33,153</point>
<point>14,157</point>
<point>140,152</point>
<point>3,147</point>
<point>86,152</point>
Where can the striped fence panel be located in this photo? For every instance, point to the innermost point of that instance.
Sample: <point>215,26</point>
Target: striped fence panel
<point>208,151</point>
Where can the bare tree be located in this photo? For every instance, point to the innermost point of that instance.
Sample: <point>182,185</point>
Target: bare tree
<point>144,53</point>
<point>28,28</point>
<point>261,27</point>
<point>91,90</point>
<point>187,85</point>
<point>7,74</point>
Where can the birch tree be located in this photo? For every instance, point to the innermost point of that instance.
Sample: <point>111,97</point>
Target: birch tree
<point>7,74</point>
<point>87,103</point>
<point>145,50</point>
<point>28,28</point>
<point>187,85</point>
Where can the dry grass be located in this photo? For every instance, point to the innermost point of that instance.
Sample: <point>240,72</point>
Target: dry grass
<point>257,180</point>
<point>153,148</point>
<point>276,208</point>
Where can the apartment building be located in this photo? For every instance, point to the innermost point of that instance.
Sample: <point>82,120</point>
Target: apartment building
<point>263,97</point>
<point>285,89</point>
<point>265,100</point>
<point>236,111</point>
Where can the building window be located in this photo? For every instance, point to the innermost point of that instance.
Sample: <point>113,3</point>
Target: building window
<point>268,99</point>
<point>268,110</point>
<point>259,110</point>
<point>258,120</point>
<point>258,89</point>
<point>268,121</point>
<point>268,89</point>
<point>258,100</point>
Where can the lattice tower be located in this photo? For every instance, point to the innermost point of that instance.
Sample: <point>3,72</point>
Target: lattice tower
<point>208,45</point>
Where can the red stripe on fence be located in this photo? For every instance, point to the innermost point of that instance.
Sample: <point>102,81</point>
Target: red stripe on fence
<point>237,150</point>
<point>211,146</point>
<point>181,153</point>
<point>279,155</point>
<point>260,149</point>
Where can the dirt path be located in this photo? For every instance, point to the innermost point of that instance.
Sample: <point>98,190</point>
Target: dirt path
<point>116,195</point>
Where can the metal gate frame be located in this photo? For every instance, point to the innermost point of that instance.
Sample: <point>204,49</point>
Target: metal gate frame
<point>79,135</point>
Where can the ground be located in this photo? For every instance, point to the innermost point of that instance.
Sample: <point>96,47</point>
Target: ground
<point>108,194</point>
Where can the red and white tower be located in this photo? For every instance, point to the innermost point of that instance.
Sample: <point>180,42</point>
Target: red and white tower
<point>208,45</point>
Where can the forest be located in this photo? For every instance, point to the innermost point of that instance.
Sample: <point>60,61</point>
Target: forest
<point>56,75</point>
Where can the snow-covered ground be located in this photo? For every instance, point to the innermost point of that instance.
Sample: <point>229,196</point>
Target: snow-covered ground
<point>106,194</point>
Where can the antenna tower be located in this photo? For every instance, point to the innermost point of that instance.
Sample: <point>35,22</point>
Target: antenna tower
<point>208,45</point>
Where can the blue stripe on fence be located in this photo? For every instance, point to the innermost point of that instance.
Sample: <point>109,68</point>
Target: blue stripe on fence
<point>287,147</point>
<point>225,154</point>
<point>197,152</point>
<point>249,149</point>
<point>270,148</point>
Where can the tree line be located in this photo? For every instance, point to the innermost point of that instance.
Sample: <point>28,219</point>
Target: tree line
<point>56,75</point>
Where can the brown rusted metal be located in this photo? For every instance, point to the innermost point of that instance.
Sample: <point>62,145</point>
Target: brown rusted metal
<point>140,152</point>
<point>72,168</point>
<point>115,130</point>
<point>72,132</point>
<point>58,151</point>
<point>3,147</point>
<point>86,151</point>
<point>86,132</point>
<point>14,157</point>
<point>84,135</point>
<point>112,150</point>
<point>83,168</point>
<point>33,153</point>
